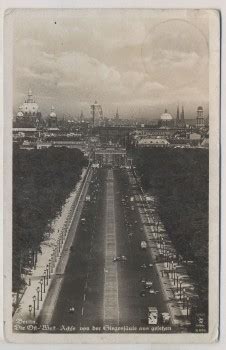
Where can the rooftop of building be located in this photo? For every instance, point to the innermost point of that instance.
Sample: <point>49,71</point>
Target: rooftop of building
<point>166,116</point>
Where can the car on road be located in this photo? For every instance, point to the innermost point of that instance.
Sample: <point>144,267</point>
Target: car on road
<point>148,284</point>
<point>71,310</point>
<point>143,245</point>
<point>88,198</point>
<point>151,291</point>
<point>165,317</point>
<point>143,266</point>
<point>152,315</point>
<point>143,293</point>
<point>120,258</point>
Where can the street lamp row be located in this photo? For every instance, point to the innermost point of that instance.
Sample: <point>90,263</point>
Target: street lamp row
<point>167,255</point>
<point>44,281</point>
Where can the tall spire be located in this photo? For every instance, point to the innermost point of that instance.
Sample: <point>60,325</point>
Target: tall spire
<point>178,113</point>
<point>81,116</point>
<point>29,96</point>
<point>117,114</point>
<point>182,114</point>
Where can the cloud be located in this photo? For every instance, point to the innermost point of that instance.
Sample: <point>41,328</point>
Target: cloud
<point>74,57</point>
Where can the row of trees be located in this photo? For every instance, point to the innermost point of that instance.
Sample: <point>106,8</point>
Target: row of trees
<point>180,180</point>
<point>42,180</point>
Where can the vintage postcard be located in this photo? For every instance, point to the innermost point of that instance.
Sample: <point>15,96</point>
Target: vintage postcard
<point>111,157</point>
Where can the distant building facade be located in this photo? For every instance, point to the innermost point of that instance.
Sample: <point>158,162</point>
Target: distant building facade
<point>52,119</point>
<point>200,120</point>
<point>97,114</point>
<point>166,120</point>
<point>28,114</point>
<point>180,119</point>
<point>152,142</point>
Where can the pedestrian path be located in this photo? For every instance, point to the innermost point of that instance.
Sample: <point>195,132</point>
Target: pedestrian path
<point>111,306</point>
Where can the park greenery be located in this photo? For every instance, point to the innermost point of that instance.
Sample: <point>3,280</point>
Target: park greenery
<point>42,181</point>
<point>179,178</point>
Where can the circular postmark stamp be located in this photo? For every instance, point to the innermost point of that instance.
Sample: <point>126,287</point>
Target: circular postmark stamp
<point>175,52</point>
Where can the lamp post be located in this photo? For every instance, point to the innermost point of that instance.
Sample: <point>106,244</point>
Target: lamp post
<point>162,245</point>
<point>41,284</point>
<point>167,258</point>
<point>52,263</point>
<point>44,278</point>
<point>47,275</point>
<point>187,306</point>
<point>169,268</point>
<point>180,288</point>
<point>172,264</point>
<point>157,232</point>
<point>38,292</point>
<point>183,298</point>
<point>34,300</point>
<point>30,309</point>
<point>164,249</point>
<point>49,267</point>
<point>54,255</point>
<point>177,282</point>
<point>55,252</point>
<point>174,275</point>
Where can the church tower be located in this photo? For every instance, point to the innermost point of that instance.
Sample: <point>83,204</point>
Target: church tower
<point>182,117</point>
<point>117,115</point>
<point>81,118</point>
<point>200,117</point>
<point>178,116</point>
<point>52,119</point>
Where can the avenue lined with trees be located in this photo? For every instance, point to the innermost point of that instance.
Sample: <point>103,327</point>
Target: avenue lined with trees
<point>179,180</point>
<point>42,181</point>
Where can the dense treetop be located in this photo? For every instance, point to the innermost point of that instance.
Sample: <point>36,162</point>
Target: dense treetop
<point>180,180</point>
<point>42,180</point>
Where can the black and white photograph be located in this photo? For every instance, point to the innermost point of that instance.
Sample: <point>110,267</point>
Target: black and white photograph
<point>114,173</point>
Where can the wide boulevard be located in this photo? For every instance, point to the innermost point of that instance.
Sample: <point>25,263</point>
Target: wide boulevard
<point>97,291</point>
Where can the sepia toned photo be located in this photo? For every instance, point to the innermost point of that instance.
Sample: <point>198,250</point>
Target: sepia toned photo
<point>112,181</point>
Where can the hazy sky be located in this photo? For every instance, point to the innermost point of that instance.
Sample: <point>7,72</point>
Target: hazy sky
<point>140,61</point>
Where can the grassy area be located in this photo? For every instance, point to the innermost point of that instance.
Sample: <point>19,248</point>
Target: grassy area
<point>180,180</point>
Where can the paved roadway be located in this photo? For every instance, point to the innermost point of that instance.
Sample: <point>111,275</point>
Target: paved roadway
<point>101,291</point>
<point>133,307</point>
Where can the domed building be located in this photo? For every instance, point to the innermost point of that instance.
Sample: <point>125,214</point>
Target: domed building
<point>29,114</point>
<point>166,119</point>
<point>29,107</point>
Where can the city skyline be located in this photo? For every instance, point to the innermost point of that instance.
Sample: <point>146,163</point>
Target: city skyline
<point>75,57</point>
